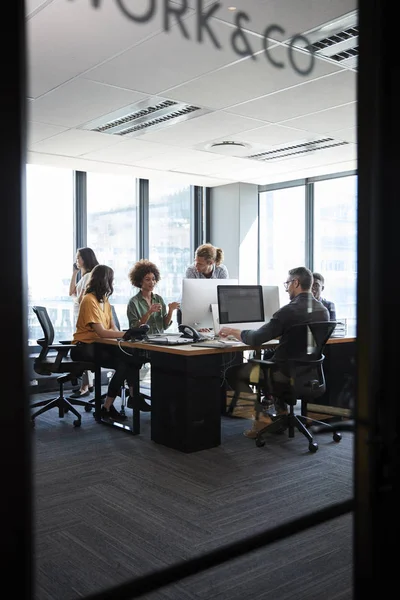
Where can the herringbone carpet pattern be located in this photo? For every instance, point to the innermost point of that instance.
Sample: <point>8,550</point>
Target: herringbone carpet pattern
<point>110,506</point>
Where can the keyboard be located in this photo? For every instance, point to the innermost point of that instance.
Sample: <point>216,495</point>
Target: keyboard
<point>215,344</point>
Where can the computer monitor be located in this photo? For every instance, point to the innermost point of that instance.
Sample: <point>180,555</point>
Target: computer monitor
<point>197,297</point>
<point>271,301</point>
<point>241,306</point>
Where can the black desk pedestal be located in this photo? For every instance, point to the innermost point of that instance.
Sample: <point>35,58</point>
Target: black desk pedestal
<point>185,401</point>
<point>340,373</point>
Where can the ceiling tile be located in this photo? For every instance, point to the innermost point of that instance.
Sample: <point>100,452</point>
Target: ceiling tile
<point>309,97</point>
<point>74,142</point>
<point>177,159</point>
<point>41,131</point>
<point>348,135</point>
<point>67,38</point>
<point>127,151</point>
<point>246,80</point>
<point>331,120</point>
<point>293,16</point>
<point>202,129</point>
<point>168,59</point>
<point>80,101</point>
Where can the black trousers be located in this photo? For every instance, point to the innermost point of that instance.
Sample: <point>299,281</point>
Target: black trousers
<point>271,381</point>
<point>126,367</point>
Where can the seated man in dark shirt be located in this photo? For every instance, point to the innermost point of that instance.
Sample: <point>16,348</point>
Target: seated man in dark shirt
<point>302,308</point>
<point>317,289</point>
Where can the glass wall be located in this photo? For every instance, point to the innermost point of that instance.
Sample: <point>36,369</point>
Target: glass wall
<point>331,245</point>
<point>282,233</point>
<point>169,236</point>
<point>112,231</point>
<point>335,244</point>
<point>50,215</point>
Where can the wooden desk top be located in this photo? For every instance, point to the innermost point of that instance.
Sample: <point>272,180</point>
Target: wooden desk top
<point>193,350</point>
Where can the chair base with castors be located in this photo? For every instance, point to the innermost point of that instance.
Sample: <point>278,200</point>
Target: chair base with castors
<point>290,422</point>
<point>63,405</point>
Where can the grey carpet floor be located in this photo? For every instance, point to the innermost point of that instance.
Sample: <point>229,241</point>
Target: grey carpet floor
<point>110,507</point>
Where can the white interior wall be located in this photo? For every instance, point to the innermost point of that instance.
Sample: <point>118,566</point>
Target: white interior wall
<point>234,228</point>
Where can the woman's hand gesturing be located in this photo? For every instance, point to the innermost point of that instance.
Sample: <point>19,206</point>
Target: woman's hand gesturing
<point>174,305</point>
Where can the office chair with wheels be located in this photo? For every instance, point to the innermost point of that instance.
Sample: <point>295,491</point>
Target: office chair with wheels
<point>48,364</point>
<point>304,381</point>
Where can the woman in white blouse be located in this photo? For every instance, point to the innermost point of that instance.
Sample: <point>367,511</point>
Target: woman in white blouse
<point>85,262</point>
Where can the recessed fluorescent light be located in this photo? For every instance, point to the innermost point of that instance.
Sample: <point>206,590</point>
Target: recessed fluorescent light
<point>232,8</point>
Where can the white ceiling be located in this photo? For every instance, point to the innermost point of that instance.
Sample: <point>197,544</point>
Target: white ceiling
<point>85,63</point>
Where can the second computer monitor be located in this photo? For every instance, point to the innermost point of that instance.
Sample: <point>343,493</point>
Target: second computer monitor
<point>197,297</point>
<point>271,301</point>
<point>241,306</point>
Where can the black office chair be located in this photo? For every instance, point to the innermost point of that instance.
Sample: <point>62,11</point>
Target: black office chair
<point>304,366</point>
<point>69,370</point>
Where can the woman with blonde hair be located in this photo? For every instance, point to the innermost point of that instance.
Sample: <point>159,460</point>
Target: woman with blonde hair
<point>208,264</point>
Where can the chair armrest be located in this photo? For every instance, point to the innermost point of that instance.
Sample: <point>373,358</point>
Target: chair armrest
<point>62,352</point>
<point>65,342</point>
<point>62,346</point>
<point>289,362</point>
<point>259,361</point>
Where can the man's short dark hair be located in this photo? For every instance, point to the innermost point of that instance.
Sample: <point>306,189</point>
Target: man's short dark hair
<point>304,277</point>
<point>319,277</point>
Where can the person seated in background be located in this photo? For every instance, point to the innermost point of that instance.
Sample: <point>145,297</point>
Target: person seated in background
<point>207,264</point>
<point>146,307</point>
<point>95,322</point>
<point>85,261</point>
<point>317,289</point>
<point>302,308</point>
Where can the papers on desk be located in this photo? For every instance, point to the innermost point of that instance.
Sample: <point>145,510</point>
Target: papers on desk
<point>169,340</point>
<point>340,329</point>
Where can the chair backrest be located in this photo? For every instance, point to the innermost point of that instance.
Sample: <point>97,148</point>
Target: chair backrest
<point>115,318</point>
<point>306,341</point>
<point>48,330</point>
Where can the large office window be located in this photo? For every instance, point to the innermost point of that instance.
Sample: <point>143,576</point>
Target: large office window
<point>112,231</point>
<point>169,235</point>
<point>282,235</point>
<point>335,243</point>
<point>50,247</point>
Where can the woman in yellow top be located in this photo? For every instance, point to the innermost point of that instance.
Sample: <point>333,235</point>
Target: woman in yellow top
<point>95,321</point>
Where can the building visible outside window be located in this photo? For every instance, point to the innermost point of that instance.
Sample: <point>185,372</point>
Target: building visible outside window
<point>49,198</point>
<point>335,244</point>
<point>112,231</point>
<point>282,235</point>
<point>169,236</point>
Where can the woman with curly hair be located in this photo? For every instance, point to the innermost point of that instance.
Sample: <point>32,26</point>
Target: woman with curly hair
<point>94,322</point>
<point>208,264</point>
<point>146,307</point>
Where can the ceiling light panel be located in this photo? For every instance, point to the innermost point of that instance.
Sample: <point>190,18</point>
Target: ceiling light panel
<point>147,115</point>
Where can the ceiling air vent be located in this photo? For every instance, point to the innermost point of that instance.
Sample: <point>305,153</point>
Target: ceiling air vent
<point>147,115</point>
<point>337,40</point>
<point>296,150</point>
<point>229,148</point>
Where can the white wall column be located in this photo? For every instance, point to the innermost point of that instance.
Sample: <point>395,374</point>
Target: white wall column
<point>234,228</point>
